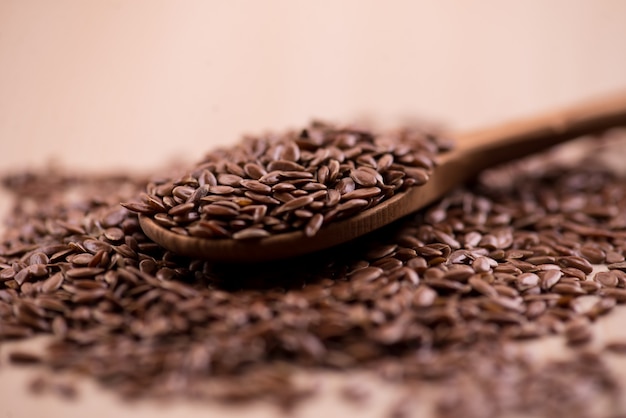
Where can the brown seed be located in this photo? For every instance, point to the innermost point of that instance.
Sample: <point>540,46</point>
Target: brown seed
<point>424,296</point>
<point>367,274</point>
<point>250,233</point>
<point>590,286</point>
<point>481,265</point>
<point>88,296</point>
<point>59,326</point>
<point>93,246</point>
<point>291,152</point>
<point>419,264</point>
<point>164,220</point>
<point>38,258</point>
<point>294,204</point>
<point>256,186</point>
<point>9,331</point>
<point>420,175</point>
<point>206,178</point>
<point>7,274</point>
<point>446,239</point>
<point>114,234</point>
<point>363,178</point>
<point>618,347</point>
<point>182,209</point>
<point>578,331</point>
<point>568,289</point>
<point>593,254</point>
<point>298,176</point>
<point>333,198</point>
<point>613,257</point>
<point>505,290</point>
<point>231,180</point>
<point>618,294</point>
<point>219,211</point>
<point>261,198</point>
<point>388,264</point>
<point>362,193</point>
<point>37,270</point>
<point>410,275</point>
<point>381,251</point>
<point>345,185</point>
<point>549,278</point>
<point>472,239</point>
<point>24,357</point>
<point>221,190</point>
<point>601,307</point>
<point>574,272</point>
<point>254,171</point>
<point>459,272</point>
<point>182,193</point>
<point>535,308</point>
<point>283,197</point>
<point>81,272</point>
<point>481,286</point>
<point>606,278</point>
<point>314,224</point>
<point>51,304</point>
<point>384,162</point>
<point>351,205</point>
<point>82,259</point>
<point>502,317</point>
<point>139,207</point>
<point>22,276</point>
<point>542,259</point>
<point>527,280</point>
<point>52,283</point>
<point>285,166</point>
<point>576,262</point>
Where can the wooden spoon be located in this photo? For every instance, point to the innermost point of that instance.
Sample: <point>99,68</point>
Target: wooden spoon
<point>473,152</point>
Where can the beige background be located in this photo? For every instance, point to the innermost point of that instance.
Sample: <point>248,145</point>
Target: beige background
<point>132,83</point>
<point>103,84</point>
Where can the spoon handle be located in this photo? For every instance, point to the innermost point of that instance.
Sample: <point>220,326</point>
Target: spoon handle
<point>478,150</point>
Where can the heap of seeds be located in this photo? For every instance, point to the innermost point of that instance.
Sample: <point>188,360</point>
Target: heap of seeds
<point>438,296</point>
<point>291,181</point>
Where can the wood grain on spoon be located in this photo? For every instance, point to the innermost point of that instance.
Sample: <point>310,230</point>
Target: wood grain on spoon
<point>473,152</point>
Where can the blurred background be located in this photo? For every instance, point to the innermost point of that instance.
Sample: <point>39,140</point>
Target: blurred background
<point>113,84</point>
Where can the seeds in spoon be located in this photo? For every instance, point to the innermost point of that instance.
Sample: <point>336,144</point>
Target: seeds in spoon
<point>314,169</point>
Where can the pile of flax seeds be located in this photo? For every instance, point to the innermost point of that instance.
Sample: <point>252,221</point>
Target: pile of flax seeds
<point>446,298</point>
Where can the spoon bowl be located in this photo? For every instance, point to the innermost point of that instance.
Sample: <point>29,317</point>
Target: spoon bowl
<point>473,153</point>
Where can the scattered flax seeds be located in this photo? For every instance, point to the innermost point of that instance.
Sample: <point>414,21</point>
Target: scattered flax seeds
<point>438,298</point>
